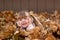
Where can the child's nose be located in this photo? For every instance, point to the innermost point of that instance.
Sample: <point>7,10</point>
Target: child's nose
<point>23,20</point>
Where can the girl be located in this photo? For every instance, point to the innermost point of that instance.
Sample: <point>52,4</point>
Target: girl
<point>25,24</point>
<point>25,21</point>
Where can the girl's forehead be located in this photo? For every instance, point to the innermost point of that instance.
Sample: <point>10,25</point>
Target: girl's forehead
<point>24,17</point>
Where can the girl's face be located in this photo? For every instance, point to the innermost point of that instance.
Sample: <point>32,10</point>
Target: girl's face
<point>24,22</point>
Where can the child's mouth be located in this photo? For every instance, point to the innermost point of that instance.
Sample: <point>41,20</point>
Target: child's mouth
<point>24,23</point>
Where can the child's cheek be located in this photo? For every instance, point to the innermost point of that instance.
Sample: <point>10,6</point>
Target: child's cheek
<point>29,21</point>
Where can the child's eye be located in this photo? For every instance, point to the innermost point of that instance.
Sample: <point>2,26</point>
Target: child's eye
<point>25,18</point>
<point>20,19</point>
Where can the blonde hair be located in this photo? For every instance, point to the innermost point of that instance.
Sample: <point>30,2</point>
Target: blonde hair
<point>22,14</point>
